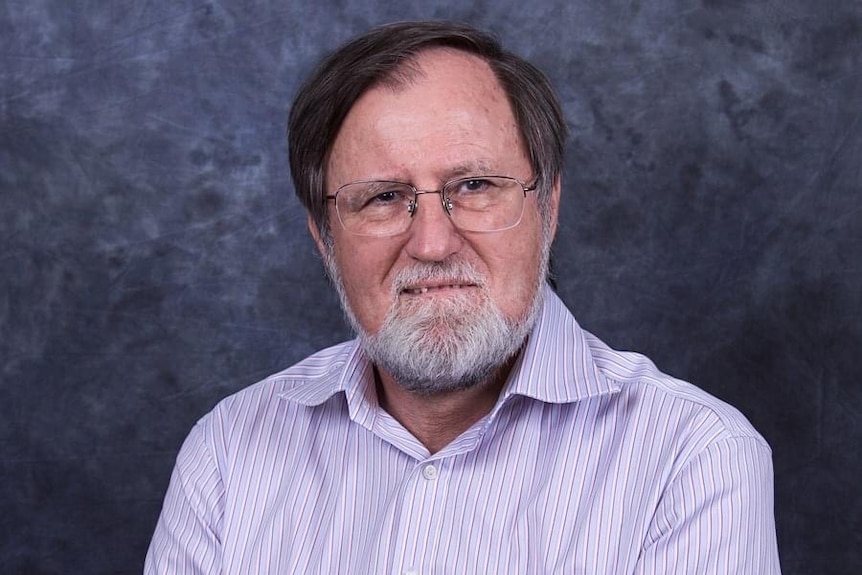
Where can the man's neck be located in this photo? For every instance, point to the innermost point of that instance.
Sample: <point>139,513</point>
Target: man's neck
<point>437,419</point>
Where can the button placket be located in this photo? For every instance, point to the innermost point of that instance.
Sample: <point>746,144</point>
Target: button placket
<point>416,521</point>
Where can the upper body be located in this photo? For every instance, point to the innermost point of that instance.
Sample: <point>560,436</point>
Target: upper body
<point>592,461</point>
<point>429,161</point>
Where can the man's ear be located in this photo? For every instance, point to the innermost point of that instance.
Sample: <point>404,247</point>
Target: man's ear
<point>315,234</point>
<point>555,206</point>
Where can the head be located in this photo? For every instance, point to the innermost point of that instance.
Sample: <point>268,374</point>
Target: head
<point>423,103</point>
<point>383,56</point>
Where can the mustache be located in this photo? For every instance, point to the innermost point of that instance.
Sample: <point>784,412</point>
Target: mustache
<point>447,271</point>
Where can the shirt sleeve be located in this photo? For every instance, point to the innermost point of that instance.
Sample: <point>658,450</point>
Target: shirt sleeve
<point>187,536</point>
<point>717,515</point>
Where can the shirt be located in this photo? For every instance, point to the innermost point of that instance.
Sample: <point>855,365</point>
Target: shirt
<point>592,461</point>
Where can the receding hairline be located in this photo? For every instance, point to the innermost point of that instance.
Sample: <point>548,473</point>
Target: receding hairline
<point>411,68</point>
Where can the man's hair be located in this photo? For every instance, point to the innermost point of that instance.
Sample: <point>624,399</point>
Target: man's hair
<point>383,56</point>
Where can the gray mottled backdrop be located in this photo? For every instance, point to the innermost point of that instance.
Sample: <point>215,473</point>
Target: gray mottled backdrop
<point>153,258</point>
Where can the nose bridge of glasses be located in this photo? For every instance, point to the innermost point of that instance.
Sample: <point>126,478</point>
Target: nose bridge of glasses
<point>414,205</point>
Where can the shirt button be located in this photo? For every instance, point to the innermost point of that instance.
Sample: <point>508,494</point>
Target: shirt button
<point>429,472</point>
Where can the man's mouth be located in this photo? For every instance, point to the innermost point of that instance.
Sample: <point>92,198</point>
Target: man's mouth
<point>420,290</point>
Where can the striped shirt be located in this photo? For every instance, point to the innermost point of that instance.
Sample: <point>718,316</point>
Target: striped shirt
<point>592,462</point>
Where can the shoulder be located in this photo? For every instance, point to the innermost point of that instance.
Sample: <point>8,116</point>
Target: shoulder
<point>320,368</point>
<point>670,401</point>
<point>284,398</point>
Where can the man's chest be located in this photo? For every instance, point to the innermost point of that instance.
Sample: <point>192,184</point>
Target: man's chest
<point>530,498</point>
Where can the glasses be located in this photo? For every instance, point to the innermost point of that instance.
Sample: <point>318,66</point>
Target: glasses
<point>474,204</point>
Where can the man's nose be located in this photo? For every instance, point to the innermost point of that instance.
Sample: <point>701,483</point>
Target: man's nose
<point>432,235</point>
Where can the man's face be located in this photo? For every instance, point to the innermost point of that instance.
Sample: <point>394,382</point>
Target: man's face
<point>452,119</point>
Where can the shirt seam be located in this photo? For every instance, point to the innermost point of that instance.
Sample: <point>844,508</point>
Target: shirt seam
<point>729,425</point>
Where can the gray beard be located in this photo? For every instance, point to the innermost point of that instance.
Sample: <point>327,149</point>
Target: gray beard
<point>437,346</point>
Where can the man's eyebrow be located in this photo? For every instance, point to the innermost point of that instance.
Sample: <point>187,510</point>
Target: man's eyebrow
<point>478,168</point>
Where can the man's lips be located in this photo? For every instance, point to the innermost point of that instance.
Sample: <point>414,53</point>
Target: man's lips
<point>419,290</point>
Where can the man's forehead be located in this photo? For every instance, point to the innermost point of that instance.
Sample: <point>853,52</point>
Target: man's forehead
<point>454,100</point>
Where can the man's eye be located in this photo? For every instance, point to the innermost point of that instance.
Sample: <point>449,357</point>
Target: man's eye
<point>384,197</point>
<point>474,186</point>
<point>381,196</point>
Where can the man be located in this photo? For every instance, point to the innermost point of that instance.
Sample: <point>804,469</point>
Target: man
<point>473,426</point>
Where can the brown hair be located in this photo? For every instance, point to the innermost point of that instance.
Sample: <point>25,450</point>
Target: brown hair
<point>378,56</point>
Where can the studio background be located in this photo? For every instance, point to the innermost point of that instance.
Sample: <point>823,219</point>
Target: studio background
<point>153,258</point>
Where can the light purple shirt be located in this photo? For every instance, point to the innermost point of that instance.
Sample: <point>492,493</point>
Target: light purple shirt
<point>591,462</point>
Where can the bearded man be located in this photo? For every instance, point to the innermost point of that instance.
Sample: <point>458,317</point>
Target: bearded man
<point>472,426</point>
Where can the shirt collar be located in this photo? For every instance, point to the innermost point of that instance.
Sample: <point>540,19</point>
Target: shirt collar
<point>556,366</point>
<point>341,368</point>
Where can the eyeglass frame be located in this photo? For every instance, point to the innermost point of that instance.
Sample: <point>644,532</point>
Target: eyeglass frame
<point>413,206</point>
